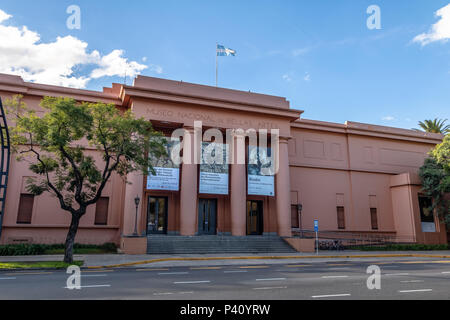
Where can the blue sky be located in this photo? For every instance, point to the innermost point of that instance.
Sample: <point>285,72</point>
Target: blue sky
<point>320,55</point>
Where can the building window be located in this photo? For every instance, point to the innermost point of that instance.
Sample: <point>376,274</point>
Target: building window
<point>374,218</point>
<point>101,211</point>
<point>26,203</point>
<point>341,217</point>
<point>427,214</point>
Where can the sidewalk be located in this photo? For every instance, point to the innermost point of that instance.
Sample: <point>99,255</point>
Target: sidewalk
<point>199,260</point>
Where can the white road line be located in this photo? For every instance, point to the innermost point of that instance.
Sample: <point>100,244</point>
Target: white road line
<point>172,273</point>
<point>272,279</point>
<point>12,278</point>
<point>332,277</point>
<point>411,281</point>
<point>420,290</point>
<point>446,272</point>
<point>269,288</point>
<point>396,274</point>
<point>95,286</point>
<point>192,282</point>
<point>163,294</point>
<point>237,271</point>
<point>332,296</point>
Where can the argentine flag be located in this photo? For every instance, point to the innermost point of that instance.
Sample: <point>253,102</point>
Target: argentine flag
<point>222,51</point>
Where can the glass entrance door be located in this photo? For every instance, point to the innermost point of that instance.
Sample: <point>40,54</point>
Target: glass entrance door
<point>157,215</point>
<point>254,218</point>
<point>207,214</point>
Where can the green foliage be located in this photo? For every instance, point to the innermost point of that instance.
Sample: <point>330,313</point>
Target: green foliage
<point>404,247</point>
<point>435,126</point>
<point>40,249</point>
<point>57,143</point>
<point>435,176</point>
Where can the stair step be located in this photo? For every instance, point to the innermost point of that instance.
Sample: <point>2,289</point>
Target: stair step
<point>163,244</point>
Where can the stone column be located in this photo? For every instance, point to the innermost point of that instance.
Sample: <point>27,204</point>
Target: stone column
<point>283,191</point>
<point>188,192</point>
<point>129,209</point>
<point>238,188</point>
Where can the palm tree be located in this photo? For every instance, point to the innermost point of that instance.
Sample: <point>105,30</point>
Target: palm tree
<point>435,126</point>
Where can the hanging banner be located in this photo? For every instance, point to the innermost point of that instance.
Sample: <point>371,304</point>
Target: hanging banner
<point>167,175</point>
<point>261,178</point>
<point>214,170</point>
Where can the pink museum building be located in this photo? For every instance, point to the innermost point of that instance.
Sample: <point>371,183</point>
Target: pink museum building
<point>358,180</point>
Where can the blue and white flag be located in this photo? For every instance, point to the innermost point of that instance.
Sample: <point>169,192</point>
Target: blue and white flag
<point>222,51</point>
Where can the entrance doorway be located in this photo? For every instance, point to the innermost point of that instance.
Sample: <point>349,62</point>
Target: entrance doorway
<point>207,215</point>
<point>254,218</point>
<point>157,215</point>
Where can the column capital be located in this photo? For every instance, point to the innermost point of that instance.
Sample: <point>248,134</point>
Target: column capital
<point>284,139</point>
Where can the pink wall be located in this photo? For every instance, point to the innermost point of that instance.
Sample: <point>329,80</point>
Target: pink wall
<point>351,165</point>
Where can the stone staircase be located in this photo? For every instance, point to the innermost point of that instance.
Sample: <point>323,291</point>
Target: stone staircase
<point>164,244</point>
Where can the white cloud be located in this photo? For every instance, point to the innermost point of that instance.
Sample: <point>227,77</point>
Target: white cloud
<point>287,78</point>
<point>23,53</point>
<point>307,77</point>
<point>300,51</point>
<point>440,31</point>
<point>114,64</point>
<point>388,118</point>
<point>4,16</point>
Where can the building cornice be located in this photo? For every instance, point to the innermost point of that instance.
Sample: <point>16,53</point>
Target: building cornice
<point>363,129</point>
<point>128,93</point>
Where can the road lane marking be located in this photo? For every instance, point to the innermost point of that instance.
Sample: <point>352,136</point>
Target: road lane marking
<point>93,286</point>
<point>144,270</point>
<point>206,268</point>
<point>271,279</point>
<point>446,272</point>
<point>11,278</point>
<point>171,273</point>
<point>412,291</point>
<point>235,271</point>
<point>338,264</point>
<point>297,266</point>
<point>27,273</point>
<point>443,261</point>
<point>411,281</point>
<point>192,282</point>
<point>332,277</point>
<point>332,296</point>
<point>163,294</point>
<point>254,267</point>
<point>269,288</point>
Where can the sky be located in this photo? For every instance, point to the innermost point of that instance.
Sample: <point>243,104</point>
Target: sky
<point>321,55</point>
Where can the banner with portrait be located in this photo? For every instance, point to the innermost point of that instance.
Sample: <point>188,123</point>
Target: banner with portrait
<point>261,175</point>
<point>214,169</point>
<point>167,173</point>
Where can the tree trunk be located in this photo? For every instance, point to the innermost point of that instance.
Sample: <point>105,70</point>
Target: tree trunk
<point>70,240</point>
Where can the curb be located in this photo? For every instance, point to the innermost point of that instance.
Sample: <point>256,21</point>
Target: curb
<point>130,264</point>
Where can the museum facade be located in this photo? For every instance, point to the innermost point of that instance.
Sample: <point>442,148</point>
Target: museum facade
<point>355,179</point>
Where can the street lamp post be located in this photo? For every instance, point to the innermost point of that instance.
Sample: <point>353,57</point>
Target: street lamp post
<point>136,201</point>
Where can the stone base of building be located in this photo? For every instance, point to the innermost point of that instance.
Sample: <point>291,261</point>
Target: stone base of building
<point>133,245</point>
<point>302,245</point>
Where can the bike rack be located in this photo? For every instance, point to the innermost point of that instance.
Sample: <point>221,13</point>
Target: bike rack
<point>4,162</point>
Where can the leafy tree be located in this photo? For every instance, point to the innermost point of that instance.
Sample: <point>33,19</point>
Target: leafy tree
<point>435,176</point>
<point>435,126</point>
<point>56,145</point>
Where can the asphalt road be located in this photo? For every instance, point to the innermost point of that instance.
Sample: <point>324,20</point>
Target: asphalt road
<point>410,279</point>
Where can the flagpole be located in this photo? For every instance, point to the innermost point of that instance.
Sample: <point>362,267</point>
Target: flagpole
<point>217,66</point>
